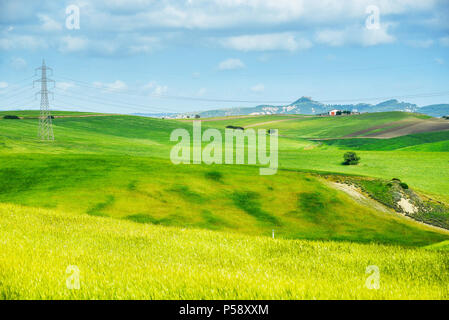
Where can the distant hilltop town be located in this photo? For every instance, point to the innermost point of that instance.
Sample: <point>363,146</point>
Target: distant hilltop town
<point>307,106</point>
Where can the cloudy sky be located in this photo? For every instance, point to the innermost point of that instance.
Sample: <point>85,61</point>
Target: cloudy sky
<point>184,55</point>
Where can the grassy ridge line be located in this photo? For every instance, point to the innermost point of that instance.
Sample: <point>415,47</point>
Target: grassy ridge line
<point>399,143</point>
<point>126,260</point>
<point>140,136</point>
<point>323,127</point>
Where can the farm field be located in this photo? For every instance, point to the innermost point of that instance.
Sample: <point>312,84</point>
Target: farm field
<point>420,159</point>
<point>120,259</point>
<point>107,183</point>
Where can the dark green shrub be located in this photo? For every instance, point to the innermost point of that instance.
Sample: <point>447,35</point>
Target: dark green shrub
<point>214,175</point>
<point>403,185</point>
<point>8,116</point>
<point>234,127</point>
<point>350,158</point>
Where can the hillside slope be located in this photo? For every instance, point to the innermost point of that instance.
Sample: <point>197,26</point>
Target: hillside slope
<point>119,259</point>
<point>117,166</point>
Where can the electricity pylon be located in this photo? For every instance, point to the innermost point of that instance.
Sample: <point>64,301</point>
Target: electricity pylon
<point>45,125</point>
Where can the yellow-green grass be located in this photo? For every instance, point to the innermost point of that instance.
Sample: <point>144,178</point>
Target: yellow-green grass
<point>127,137</point>
<point>120,259</point>
<point>334,127</point>
<point>36,113</point>
<point>150,191</point>
<point>427,172</point>
<point>439,246</point>
<point>421,159</point>
<point>429,141</point>
<point>105,198</point>
<point>242,121</point>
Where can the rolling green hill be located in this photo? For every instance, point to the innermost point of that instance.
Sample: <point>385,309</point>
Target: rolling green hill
<point>430,141</point>
<point>118,166</point>
<point>107,184</point>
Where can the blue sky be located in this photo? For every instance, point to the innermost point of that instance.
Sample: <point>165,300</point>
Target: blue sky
<point>174,56</point>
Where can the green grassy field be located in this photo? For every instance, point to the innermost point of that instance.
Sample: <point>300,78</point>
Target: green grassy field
<point>329,127</point>
<point>119,259</point>
<point>107,183</point>
<point>430,141</point>
<point>35,113</point>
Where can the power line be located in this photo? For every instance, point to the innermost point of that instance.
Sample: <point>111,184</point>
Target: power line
<point>174,97</point>
<point>16,92</point>
<point>190,98</point>
<point>21,104</point>
<point>15,101</point>
<point>117,103</point>
<point>420,95</point>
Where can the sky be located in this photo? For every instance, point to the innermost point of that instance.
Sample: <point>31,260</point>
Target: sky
<point>151,56</point>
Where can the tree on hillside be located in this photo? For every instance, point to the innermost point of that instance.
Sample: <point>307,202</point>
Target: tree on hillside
<point>350,158</point>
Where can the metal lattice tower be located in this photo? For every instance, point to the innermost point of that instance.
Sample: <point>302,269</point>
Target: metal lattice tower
<point>45,124</point>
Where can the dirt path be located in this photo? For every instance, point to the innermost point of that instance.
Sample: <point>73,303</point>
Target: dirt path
<point>361,198</point>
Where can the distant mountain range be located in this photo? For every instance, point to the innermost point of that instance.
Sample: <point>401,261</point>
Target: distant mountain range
<point>306,105</point>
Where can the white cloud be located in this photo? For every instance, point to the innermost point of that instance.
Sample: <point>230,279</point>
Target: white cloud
<point>439,60</point>
<point>144,45</point>
<point>444,41</point>
<point>3,85</point>
<point>65,85</point>
<point>149,86</point>
<point>376,36</point>
<point>266,42</point>
<point>21,42</point>
<point>214,14</point>
<point>48,24</point>
<point>231,64</point>
<point>72,44</point>
<point>331,37</point>
<point>421,43</point>
<point>355,35</point>
<point>155,88</point>
<point>18,63</point>
<point>129,27</point>
<point>117,85</point>
<point>258,88</point>
<point>160,90</point>
<point>202,92</point>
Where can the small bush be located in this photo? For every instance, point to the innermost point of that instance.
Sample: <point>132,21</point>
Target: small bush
<point>214,175</point>
<point>8,116</point>
<point>350,158</point>
<point>235,128</point>
<point>403,185</point>
<point>396,179</point>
